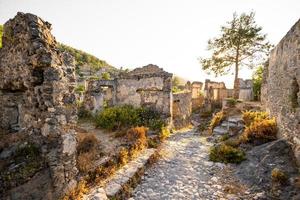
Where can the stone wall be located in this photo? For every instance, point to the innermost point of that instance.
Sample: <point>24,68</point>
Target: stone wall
<point>182,109</point>
<point>36,98</point>
<point>148,86</point>
<point>246,89</point>
<point>280,90</point>
<point>196,88</point>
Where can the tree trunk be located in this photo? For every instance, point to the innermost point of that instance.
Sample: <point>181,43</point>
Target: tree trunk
<point>236,86</point>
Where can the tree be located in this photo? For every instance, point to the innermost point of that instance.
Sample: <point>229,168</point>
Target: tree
<point>257,81</point>
<point>241,44</point>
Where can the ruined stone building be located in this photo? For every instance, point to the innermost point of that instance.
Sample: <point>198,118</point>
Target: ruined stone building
<point>215,91</point>
<point>245,89</point>
<point>37,104</point>
<point>148,86</point>
<point>280,89</point>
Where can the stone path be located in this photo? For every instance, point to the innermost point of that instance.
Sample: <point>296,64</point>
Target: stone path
<point>184,172</point>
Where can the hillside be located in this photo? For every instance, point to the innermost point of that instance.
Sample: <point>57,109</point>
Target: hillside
<point>84,59</point>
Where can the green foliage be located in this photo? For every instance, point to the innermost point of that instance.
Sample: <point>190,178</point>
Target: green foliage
<point>241,44</point>
<point>231,102</point>
<point>80,89</point>
<point>164,134</point>
<point>117,117</point>
<point>84,114</point>
<point>257,81</point>
<point>175,84</point>
<point>1,33</point>
<point>105,76</point>
<point>82,58</point>
<point>175,89</point>
<point>226,154</point>
<point>27,161</point>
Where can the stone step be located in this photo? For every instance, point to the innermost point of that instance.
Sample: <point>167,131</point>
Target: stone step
<point>122,177</point>
<point>220,130</point>
<point>235,119</point>
<point>227,124</point>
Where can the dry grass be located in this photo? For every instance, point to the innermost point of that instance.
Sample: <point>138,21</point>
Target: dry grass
<point>137,139</point>
<point>279,176</point>
<point>123,156</point>
<point>217,119</point>
<point>262,130</point>
<point>251,116</point>
<point>86,151</point>
<point>77,192</point>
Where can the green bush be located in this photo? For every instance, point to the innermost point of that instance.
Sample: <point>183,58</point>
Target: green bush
<point>226,154</point>
<point>80,89</point>
<point>82,113</point>
<point>126,116</point>
<point>231,102</point>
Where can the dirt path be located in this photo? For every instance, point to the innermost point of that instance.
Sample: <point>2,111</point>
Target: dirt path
<point>185,172</point>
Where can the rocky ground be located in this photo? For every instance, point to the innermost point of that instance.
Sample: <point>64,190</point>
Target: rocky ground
<point>185,172</point>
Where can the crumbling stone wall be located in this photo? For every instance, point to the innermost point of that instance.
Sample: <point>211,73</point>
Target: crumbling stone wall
<point>149,86</point>
<point>246,89</point>
<point>280,89</point>
<point>182,109</point>
<point>215,91</point>
<point>37,99</point>
<point>197,95</point>
<point>196,88</point>
<point>99,93</point>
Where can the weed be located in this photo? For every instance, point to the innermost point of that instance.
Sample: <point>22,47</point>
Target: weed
<point>217,119</point>
<point>226,154</point>
<point>251,116</point>
<point>164,134</point>
<point>264,130</point>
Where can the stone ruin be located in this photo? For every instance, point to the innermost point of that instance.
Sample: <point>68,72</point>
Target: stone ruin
<point>148,86</point>
<point>37,100</point>
<point>280,92</point>
<point>245,89</point>
<point>215,91</point>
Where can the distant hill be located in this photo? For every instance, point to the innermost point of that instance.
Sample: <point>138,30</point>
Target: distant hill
<point>85,60</point>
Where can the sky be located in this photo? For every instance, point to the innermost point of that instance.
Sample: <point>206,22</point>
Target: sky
<point>172,34</point>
